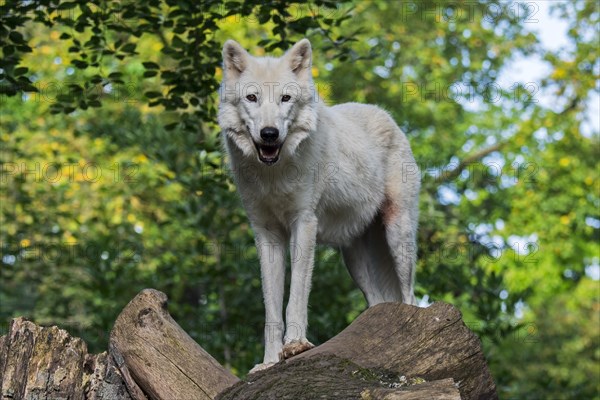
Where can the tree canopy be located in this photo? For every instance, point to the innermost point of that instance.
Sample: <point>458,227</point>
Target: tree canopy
<point>112,176</point>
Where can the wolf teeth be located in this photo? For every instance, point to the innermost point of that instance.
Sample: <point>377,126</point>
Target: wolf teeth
<point>268,151</point>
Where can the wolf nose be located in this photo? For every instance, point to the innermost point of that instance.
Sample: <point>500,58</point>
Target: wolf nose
<point>269,134</point>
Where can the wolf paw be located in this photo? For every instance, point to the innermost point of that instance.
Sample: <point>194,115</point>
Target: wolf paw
<point>260,367</point>
<point>295,347</point>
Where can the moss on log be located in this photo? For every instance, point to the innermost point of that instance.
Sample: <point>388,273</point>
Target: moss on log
<point>327,376</point>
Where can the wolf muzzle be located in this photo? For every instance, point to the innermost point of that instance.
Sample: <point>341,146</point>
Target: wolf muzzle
<point>268,149</point>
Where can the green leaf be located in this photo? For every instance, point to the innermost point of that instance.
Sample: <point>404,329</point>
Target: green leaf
<point>79,64</point>
<point>152,94</point>
<point>150,65</point>
<point>20,71</point>
<point>129,47</point>
<point>67,5</point>
<point>178,43</point>
<point>16,37</point>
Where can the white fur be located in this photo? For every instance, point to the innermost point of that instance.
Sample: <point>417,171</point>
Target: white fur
<point>345,176</point>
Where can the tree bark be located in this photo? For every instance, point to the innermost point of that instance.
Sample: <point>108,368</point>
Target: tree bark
<point>47,363</point>
<point>326,376</point>
<point>431,343</point>
<point>385,346</point>
<point>164,362</point>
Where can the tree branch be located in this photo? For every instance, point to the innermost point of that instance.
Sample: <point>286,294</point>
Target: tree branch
<point>447,176</point>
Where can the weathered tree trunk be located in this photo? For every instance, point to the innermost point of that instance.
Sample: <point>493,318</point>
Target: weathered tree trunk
<point>47,363</point>
<point>386,347</point>
<point>391,351</point>
<point>158,358</point>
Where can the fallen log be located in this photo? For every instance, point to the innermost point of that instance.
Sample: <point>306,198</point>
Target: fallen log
<point>391,351</point>
<point>385,347</point>
<point>331,377</point>
<point>431,343</point>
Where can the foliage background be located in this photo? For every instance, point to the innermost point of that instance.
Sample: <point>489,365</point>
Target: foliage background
<point>113,179</point>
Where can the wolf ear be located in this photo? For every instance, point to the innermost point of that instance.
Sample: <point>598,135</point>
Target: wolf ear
<point>299,58</point>
<point>235,59</point>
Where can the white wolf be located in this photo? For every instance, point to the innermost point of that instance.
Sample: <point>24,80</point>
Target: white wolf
<point>308,174</point>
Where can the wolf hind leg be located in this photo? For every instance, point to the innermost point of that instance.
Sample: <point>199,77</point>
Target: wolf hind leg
<point>371,265</point>
<point>400,216</point>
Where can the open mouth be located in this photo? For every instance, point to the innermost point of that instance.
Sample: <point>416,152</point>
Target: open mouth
<point>268,153</point>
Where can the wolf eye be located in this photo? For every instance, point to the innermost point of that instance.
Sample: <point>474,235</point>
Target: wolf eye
<point>252,98</point>
<point>285,98</point>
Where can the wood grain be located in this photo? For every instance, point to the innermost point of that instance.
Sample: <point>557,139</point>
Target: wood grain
<point>162,360</point>
<point>385,346</point>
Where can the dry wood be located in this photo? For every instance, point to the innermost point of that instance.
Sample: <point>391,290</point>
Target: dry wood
<point>390,352</point>
<point>432,343</point>
<point>158,357</point>
<point>47,363</point>
<point>369,359</point>
<point>326,376</point>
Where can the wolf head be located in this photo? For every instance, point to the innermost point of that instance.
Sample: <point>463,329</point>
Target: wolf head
<point>267,105</point>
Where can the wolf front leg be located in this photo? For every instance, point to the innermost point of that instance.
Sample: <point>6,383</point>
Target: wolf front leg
<point>271,250</point>
<point>302,250</point>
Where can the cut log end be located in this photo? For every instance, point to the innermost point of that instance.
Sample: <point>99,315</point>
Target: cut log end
<point>158,358</point>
